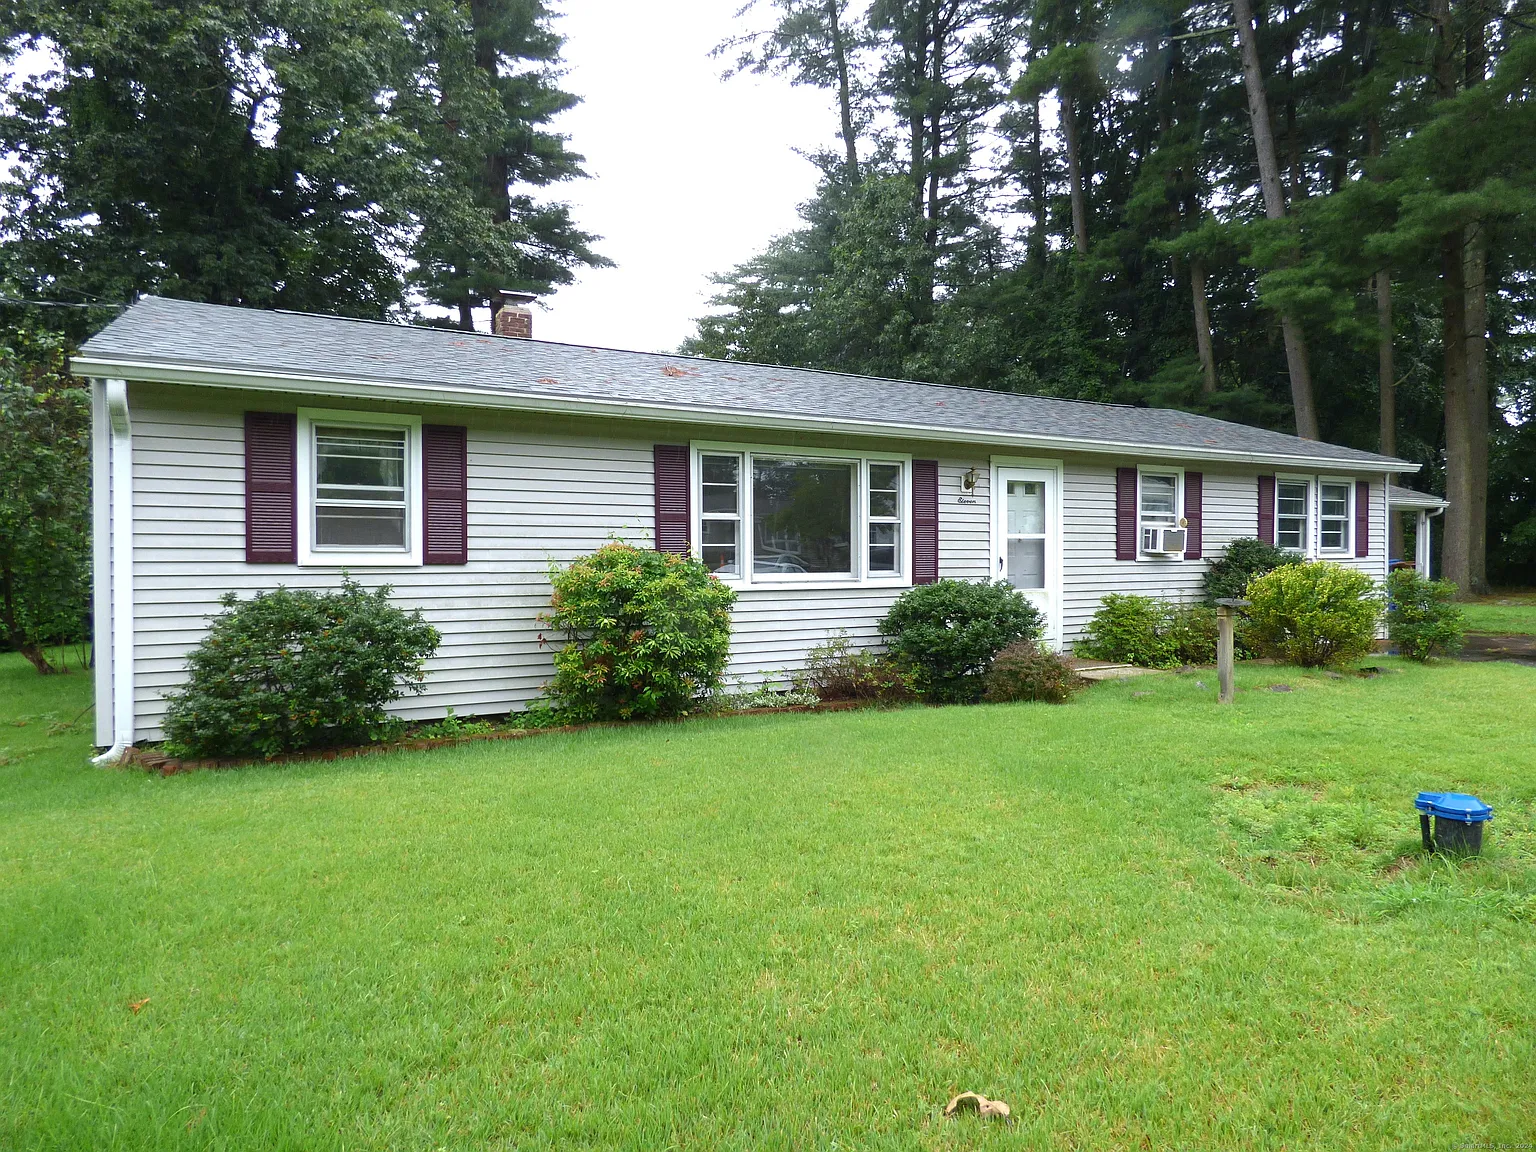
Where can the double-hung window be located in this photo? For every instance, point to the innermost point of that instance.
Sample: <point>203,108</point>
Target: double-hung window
<point>1292,500</point>
<point>884,518</point>
<point>359,488</point>
<point>771,516</point>
<point>1333,515</point>
<point>1159,503</point>
<point>1315,515</point>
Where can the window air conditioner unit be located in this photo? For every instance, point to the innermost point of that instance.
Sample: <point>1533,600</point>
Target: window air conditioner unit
<point>1164,540</point>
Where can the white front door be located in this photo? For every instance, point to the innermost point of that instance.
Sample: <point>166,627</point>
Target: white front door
<point>1029,539</point>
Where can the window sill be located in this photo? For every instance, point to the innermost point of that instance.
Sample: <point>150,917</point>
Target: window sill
<point>359,560</point>
<point>812,585</point>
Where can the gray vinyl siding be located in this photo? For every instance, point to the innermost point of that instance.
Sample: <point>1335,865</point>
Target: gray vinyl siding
<point>1230,509</point>
<point>537,497</point>
<point>544,491</point>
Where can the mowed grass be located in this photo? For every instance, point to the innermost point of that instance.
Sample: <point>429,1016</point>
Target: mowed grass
<point>1142,920</point>
<point>1508,614</point>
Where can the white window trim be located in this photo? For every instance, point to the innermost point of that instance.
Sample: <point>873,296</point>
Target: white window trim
<point>1349,516</point>
<point>1308,548</point>
<point>1178,512</point>
<point>860,577</point>
<point>309,556</point>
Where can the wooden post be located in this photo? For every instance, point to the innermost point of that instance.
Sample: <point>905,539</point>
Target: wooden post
<point>1226,654</point>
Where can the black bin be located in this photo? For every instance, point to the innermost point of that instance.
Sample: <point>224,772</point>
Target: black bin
<point>1459,821</point>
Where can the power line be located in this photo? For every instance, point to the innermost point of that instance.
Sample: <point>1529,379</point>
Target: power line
<point>56,303</point>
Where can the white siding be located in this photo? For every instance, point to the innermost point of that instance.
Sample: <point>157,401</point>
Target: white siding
<point>1231,510</point>
<point>536,498</point>
<point>547,492</point>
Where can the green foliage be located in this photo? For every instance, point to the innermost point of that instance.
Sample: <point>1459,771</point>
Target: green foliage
<point>835,670</point>
<point>1227,577</point>
<point>450,727</point>
<point>1025,670</point>
<point>1191,630</point>
<point>285,153</point>
<point>45,527</point>
<point>293,669</point>
<point>1423,619</point>
<point>948,632</point>
<point>647,634</point>
<point>1314,614</point>
<point>1128,630</point>
<point>1150,633</point>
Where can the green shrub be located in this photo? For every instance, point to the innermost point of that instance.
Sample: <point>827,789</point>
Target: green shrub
<point>1129,630</point>
<point>1423,619</point>
<point>1150,633</point>
<point>451,727</point>
<point>835,670</point>
<point>1314,614</point>
<point>1228,577</point>
<point>1027,671</point>
<point>288,670</point>
<point>647,633</point>
<point>948,632</point>
<point>1191,631</point>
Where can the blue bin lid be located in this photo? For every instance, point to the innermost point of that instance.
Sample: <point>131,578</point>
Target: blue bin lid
<point>1454,806</point>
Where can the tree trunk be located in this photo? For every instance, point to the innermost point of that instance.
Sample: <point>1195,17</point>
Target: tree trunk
<point>1075,173</point>
<point>1203,325</point>
<point>1274,208</point>
<point>34,654</point>
<point>1456,543</point>
<point>1386,386</point>
<point>467,315</point>
<point>1475,276</point>
<point>844,92</point>
<point>1038,234</point>
<point>1386,382</point>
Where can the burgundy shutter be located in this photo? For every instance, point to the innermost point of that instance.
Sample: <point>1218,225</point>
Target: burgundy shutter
<point>1362,518</point>
<point>925,521</point>
<point>1126,514</point>
<point>672,497</point>
<point>445,509</point>
<point>1194,507</point>
<point>1267,509</point>
<point>271,488</point>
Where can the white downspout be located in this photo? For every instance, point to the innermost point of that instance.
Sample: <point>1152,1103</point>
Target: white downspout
<point>122,573</point>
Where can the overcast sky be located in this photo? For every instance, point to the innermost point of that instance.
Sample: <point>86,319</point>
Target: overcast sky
<point>690,174</point>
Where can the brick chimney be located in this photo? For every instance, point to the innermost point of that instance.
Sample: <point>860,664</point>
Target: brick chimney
<point>511,315</point>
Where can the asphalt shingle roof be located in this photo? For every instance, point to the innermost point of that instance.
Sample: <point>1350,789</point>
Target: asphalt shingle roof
<point>190,335</point>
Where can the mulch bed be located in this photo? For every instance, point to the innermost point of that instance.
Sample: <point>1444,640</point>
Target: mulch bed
<point>152,761</point>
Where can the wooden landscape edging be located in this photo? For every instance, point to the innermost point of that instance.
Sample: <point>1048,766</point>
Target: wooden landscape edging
<point>162,765</point>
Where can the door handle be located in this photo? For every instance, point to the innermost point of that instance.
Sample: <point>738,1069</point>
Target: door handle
<point>999,563</point>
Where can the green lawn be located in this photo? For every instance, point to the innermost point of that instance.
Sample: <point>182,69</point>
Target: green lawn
<point>1143,921</point>
<point>1506,615</point>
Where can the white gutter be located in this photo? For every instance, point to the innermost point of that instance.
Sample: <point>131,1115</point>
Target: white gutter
<point>122,573</point>
<point>373,390</point>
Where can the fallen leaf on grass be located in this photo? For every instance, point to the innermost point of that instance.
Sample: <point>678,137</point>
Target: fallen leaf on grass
<point>975,1102</point>
<point>135,1005</point>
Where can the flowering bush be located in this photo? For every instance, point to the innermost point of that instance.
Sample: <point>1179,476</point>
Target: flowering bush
<point>647,634</point>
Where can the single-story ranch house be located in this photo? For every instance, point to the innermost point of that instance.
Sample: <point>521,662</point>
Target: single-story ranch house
<point>238,450</point>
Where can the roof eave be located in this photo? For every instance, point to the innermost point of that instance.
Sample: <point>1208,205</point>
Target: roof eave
<point>164,372</point>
